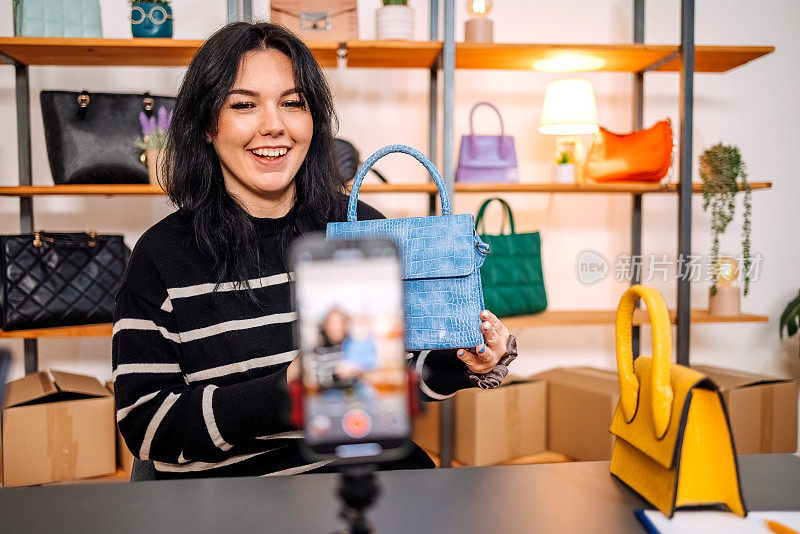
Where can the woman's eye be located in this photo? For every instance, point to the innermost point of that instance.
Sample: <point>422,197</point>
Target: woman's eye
<point>299,104</point>
<point>242,105</point>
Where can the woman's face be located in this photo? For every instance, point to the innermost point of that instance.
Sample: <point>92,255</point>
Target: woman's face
<point>263,134</point>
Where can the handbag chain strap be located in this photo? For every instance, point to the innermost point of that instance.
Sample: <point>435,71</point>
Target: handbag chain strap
<point>39,238</point>
<point>479,220</point>
<point>402,149</point>
<point>503,147</point>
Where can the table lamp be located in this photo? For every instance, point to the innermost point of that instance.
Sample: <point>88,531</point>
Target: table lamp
<point>479,28</point>
<point>569,110</point>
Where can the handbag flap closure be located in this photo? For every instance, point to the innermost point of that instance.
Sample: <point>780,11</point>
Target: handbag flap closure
<point>639,432</point>
<point>443,246</point>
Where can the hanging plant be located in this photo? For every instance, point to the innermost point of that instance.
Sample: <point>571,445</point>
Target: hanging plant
<point>721,169</point>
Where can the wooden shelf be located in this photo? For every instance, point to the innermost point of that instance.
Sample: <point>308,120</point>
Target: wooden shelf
<point>393,54</point>
<point>487,188</point>
<point>608,317</point>
<point>389,54</point>
<point>546,318</point>
<point>608,57</point>
<point>76,52</point>
<point>90,330</point>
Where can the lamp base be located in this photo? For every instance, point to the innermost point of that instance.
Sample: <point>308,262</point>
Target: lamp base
<point>479,31</point>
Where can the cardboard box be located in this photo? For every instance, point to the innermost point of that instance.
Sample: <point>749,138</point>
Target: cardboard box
<point>580,405</point>
<point>491,426</point>
<point>762,409</point>
<point>57,426</point>
<point>124,454</point>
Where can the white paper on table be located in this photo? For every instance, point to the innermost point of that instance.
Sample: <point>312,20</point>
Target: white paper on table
<point>714,522</point>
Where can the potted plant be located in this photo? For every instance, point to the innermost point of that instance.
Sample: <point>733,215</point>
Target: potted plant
<point>723,172</point>
<point>564,169</point>
<point>151,19</point>
<point>790,318</point>
<point>395,20</point>
<point>153,141</point>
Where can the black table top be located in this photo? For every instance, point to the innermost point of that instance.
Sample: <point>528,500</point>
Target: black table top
<point>572,497</point>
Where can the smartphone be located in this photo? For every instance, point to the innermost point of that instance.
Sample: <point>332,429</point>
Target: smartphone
<point>350,332</point>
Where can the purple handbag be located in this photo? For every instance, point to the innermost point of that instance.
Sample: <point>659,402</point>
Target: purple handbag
<point>487,158</point>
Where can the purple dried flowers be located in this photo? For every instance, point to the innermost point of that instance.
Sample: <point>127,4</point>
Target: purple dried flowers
<point>154,129</point>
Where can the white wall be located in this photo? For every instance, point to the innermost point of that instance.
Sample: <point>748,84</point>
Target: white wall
<point>754,107</point>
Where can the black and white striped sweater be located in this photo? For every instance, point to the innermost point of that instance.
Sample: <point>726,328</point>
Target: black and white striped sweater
<point>200,376</point>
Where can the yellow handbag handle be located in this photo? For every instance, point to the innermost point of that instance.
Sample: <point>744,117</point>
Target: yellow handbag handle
<point>662,352</point>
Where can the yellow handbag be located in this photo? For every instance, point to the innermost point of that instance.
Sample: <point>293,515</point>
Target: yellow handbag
<point>673,441</point>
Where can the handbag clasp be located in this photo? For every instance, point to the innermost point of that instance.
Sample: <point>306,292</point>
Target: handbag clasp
<point>38,238</point>
<point>92,237</point>
<point>84,100</point>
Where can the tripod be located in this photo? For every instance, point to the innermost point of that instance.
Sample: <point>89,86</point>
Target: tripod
<point>358,489</point>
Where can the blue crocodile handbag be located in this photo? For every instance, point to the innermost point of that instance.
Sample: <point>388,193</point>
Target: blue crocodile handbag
<point>441,258</point>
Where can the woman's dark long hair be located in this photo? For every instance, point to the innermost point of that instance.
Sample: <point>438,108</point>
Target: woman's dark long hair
<point>194,183</point>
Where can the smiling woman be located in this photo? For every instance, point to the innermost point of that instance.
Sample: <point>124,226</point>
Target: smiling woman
<point>203,342</point>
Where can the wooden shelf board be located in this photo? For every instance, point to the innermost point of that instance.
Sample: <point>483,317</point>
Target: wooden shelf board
<point>546,318</point>
<point>484,188</point>
<point>121,52</point>
<point>393,54</point>
<point>604,57</point>
<point>91,330</point>
<point>608,317</point>
<point>381,54</point>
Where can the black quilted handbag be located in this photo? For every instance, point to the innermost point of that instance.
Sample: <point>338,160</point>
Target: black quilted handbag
<point>60,279</point>
<point>91,137</point>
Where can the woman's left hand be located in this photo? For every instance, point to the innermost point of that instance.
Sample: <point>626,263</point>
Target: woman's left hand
<point>485,356</point>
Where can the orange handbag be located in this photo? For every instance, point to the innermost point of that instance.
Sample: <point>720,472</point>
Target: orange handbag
<point>641,156</point>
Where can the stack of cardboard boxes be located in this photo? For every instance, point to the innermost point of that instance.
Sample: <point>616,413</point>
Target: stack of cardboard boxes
<point>61,426</point>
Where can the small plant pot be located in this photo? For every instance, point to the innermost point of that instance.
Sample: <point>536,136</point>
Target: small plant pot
<point>564,173</point>
<point>149,19</point>
<point>726,302</point>
<point>395,22</point>
<point>155,158</point>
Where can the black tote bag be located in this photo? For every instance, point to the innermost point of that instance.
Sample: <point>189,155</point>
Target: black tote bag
<point>90,136</point>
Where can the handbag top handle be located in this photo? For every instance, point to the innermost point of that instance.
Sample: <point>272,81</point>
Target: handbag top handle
<point>662,351</point>
<point>479,218</point>
<point>402,149</point>
<point>503,148</point>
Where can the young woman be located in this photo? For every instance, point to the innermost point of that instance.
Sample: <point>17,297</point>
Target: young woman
<point>203,347</point>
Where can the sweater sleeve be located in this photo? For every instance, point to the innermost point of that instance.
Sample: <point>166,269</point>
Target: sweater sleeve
<point>160,415</point>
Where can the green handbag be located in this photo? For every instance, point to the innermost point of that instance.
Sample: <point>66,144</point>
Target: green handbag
<point>512,278</point>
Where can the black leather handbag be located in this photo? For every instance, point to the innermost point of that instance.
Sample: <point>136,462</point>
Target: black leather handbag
<point>60,279</point>
<point>91,137</point>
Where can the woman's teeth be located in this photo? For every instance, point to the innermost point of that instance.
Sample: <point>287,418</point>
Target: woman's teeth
<point>270,152</point>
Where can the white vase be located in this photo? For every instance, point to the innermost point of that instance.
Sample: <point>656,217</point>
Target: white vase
<point>564,173</point>
<point>394,22</point>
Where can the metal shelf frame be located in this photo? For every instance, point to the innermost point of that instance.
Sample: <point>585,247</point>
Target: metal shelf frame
<point>242,10</point>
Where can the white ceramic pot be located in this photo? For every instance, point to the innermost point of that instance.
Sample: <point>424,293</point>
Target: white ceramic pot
<point>394,22</point>
<point>564,173</point>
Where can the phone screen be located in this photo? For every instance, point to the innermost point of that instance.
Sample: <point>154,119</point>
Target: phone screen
<point>350,305</point>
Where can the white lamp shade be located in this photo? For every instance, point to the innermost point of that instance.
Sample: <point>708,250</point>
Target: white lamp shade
<point>569,108</point>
